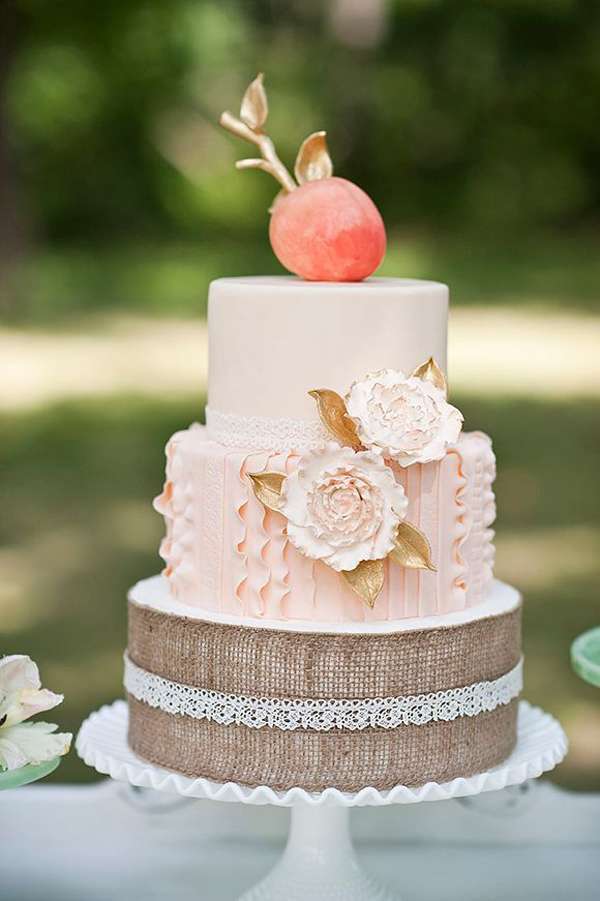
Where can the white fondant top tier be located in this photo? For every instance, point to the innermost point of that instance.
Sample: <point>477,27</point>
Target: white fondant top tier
<point>273,339</point>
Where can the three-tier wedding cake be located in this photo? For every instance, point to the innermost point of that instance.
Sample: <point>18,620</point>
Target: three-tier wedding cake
<point>328,614</point>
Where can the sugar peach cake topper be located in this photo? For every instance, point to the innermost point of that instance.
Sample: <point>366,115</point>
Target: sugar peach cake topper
<point>323,228</point>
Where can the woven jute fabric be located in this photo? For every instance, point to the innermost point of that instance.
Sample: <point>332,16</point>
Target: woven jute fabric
<point>410,755</point>
<point>242,660</point>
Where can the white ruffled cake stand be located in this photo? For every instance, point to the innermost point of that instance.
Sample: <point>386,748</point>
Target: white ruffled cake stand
<point>319,862</point>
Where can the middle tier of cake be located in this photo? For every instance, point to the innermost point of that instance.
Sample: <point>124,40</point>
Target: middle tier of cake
<point>225,552</point>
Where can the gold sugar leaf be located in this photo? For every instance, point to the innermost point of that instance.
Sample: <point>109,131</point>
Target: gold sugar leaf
<point>267,487</point>
<point>431,372</point>
<point>255,108</point>
<point>313,161</point>
<point>334,416</point>
<point>411,548</point>
<point>366,580</point>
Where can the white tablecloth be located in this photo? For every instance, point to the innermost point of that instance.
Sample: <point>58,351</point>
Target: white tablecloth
<point>109,842</point>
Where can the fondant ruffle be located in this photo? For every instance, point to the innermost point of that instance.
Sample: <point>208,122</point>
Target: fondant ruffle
<point>225,552</point>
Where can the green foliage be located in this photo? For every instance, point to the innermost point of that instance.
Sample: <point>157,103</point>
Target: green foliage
<point>450,112</point>
<point>54,286</point>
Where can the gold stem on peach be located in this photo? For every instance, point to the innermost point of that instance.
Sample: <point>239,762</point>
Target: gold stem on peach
<point>270,162</point>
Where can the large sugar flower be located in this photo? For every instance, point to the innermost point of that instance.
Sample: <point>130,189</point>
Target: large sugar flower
<point>22,696</point>
<point>342,507</point>
<point>404,418</point>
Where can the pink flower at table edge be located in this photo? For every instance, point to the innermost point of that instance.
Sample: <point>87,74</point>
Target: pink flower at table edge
<point>21,696</point>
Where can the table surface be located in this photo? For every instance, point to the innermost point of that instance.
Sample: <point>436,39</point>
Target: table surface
<point>110,842</point>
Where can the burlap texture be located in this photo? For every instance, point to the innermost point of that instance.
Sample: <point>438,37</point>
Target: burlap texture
<point>409,755</point>
<point>274,663</point>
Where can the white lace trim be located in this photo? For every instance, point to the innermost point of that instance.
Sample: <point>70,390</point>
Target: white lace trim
<point>321,715</point>
<point>262,433</point>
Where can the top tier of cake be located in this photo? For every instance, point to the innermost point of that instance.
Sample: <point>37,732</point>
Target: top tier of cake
<point>273,339</point>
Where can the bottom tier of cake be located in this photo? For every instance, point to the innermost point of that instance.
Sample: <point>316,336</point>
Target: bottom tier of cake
<point>317,706</point>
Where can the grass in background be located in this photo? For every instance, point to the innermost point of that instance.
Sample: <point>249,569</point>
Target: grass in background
<point>58,287</point>
<point>79,529</point>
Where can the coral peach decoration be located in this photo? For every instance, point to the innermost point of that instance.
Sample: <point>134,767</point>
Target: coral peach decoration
<point>328,230</point>
<point>322,228</point>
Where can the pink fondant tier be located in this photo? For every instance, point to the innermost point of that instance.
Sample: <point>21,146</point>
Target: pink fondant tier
<point>225,552</point>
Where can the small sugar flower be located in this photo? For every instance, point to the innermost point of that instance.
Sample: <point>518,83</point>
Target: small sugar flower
<point>404,418</point>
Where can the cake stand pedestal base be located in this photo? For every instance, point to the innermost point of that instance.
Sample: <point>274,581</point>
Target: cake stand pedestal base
<point>319,862</point>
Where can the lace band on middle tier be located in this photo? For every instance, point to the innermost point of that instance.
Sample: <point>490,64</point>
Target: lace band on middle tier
<point>262,433</point>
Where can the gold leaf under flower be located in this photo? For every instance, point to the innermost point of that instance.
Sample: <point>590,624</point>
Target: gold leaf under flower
<point>431,372</point>
<point>411,548</point>
<point>255,108</point>
<point>267,487</point>
<point>313,161</point>
<point>334,416</point>
<point>366,580</point>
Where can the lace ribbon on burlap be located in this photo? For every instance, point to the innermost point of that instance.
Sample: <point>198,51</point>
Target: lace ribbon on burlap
<point>321,714</point>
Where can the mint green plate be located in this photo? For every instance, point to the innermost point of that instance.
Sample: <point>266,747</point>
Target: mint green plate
<point>25,774</point>
<point>585,656</point>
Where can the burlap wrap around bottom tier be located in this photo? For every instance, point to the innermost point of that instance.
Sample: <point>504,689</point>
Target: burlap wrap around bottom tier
<point>277,664</point>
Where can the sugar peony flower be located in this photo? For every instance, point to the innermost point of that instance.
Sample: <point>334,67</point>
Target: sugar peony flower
<point>22,696</point>
<point>404,418</point>
<point>342,507</point>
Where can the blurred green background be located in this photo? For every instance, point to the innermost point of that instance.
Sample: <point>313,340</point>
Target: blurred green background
<point>473,126</point>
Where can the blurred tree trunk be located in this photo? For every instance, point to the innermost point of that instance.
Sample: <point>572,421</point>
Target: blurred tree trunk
<point>12,219</point>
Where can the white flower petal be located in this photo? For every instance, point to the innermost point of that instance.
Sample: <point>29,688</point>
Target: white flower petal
<point>18,671</point>
<point>31,743</point>
<point>308,544</point>
<point>321,527</point>
<point>403,418</point>
<point>21,694</point>
<point>28,702</point>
